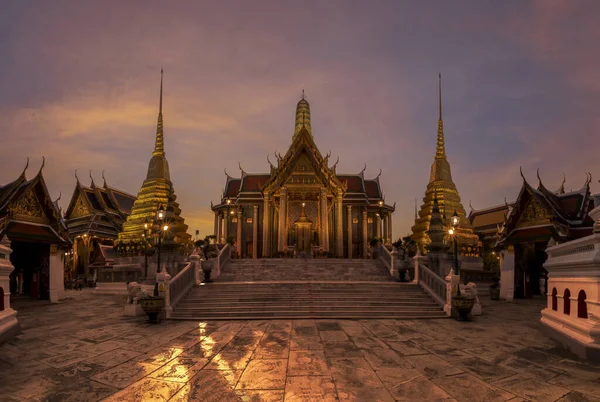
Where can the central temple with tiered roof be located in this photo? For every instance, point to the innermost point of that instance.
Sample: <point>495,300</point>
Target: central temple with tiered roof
<point>302,205</point>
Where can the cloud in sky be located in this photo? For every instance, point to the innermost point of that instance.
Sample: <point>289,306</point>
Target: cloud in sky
<point>80,86</point>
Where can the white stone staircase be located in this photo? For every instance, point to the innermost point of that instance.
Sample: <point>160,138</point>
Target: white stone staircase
<point>311,288</point>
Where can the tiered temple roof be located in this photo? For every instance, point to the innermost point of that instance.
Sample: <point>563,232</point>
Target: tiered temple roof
<point>27,212</point>
<point>486,222</point>
<point>540,214</point>
<point>98,211</point>
<point>441,185</point>
<point>157,190</point>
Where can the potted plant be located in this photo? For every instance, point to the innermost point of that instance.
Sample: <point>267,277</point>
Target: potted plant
<point>495,288</point>
<point>152,305</point>
<point>208,251</point>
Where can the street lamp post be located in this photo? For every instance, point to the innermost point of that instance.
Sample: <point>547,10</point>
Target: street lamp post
<point>146,249</point>
<point>160,216</point>
<point>381,220</point>
<point>453,233</point>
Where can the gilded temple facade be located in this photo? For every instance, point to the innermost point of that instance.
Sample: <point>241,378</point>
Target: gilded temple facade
<point>442,186</point>
<point>157,191</point>
<point>94,218</point>
<point>302,206</point>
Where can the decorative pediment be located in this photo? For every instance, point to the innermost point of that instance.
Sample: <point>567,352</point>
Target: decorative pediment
<point>533,212</point>
<point>79,209</point>
<point>303,164</point>
<point>29,207</point>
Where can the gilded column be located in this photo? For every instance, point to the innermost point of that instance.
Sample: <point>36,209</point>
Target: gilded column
<point>225,226</point>
<point>216,224</point>
<point>339,229</point>
<point>282,214</point>
<point>349,221</point>
<point>365,234</point>
<point>219,232</point>
<point>324,221</point>
<point>266,230</point>
<point>378,228</point>
<point>240,215</point>
<point>255,232</point>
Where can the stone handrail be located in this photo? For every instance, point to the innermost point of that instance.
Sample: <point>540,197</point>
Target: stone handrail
<point>180,284</point>
<point>387,257</point>
<point>432,284</point>
<point>477,275</point>
<point>222,259</point>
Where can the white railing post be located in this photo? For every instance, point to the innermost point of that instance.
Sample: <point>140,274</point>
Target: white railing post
<point>393,264</point>
<point>163,279</point>
<point>416,264</point>
<point>450,279</point>
<point>195,261</point>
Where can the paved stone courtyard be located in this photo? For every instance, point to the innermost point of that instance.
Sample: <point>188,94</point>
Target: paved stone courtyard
<point>83,349</point>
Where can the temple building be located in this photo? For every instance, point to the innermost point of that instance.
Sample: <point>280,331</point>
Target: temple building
<point>156,192</point>
<point>539,217</point>
<point>442,186</point>
<point>486,224</point>
<point>94,218</point>
<point>302,206</point>
<point>31,225</point>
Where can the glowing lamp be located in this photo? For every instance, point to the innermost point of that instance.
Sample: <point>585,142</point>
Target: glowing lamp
<point>455,219</point>
<point>450,232</point>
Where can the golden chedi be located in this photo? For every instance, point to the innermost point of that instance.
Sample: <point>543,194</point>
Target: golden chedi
<point>442,187</point>
<point>157,191</point>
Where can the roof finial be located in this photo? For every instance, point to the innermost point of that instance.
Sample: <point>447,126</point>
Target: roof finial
<point>440,147</point>
<point>104,178</point>
<point>77,178</point>
<point>92,178</point>
<point>59,196</point>
<point>159,146</point>
<point>440,94</point>
<point>26,166</point>
<point>43,163</point>
<point>303,93</point>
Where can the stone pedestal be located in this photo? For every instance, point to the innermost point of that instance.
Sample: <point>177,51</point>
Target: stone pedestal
<point>133,310</point>
<point>57,275</point>
<point>9,326</point>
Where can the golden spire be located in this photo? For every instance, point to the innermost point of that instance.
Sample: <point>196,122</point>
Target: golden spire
<point>302,116</point>
<point>159,147</point>
<point>440,149</point>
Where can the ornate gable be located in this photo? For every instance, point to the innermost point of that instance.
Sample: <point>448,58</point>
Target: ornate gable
<point>534,213</point>
<point>29,207</point>
<point>79,209</point>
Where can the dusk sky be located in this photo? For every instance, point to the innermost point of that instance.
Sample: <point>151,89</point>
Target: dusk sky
<point>80,81</point>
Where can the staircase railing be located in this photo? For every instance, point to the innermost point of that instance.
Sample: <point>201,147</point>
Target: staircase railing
<point>387,257</point>
<point>222,259</point>
<point>430,281</point>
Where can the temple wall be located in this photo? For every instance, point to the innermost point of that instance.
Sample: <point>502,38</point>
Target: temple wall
<point>9,325</point>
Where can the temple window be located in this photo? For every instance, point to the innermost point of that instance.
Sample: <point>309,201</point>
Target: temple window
<point>248,220</point>
<point>355,221</point>
<point>234,220</point>
<point>567,302</point>
<point>369,220</point>
<point>581,305</point>
<point>1,299</point>
<point>554,300</point>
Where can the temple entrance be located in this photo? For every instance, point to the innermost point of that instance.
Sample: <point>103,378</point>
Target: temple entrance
<point>529,268</point>
<point>31,275</point>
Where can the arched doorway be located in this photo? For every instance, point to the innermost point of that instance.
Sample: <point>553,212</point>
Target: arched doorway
<point>1,299</point>
<point>581,305</point>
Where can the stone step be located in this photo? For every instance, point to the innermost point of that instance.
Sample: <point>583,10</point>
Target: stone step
<point>270,315</point>
<point>301,302</point>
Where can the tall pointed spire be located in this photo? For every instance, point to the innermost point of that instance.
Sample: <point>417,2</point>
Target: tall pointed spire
<point>159,146</point>
<point>440,148</point>
<point>302,116</point>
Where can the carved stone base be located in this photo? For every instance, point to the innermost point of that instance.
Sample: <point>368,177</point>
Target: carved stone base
<point>580,336</point>
<point>133,310</point>
<point>9,326</point>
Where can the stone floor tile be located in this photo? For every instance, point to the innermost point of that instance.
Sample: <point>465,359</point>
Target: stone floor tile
<point>230,360</point>
<point>353,372</point>
<point>305,330</point>
<point>264,374</point>
<point>103,347</point>
<point>307,362</point>
<point>333,336</point>
<point>356,394</point>
<point>368,342</point>
<point>446,351</point>
<point>246,341</point>
<point>406,384</point>
<point>310,388</point>
<point>432,366</point>
<point>75,372</point>
<point>125,374</point>
<point>577,367</point>
<point>147,390</point>
<point>258,395</point>
<point>341,349</point>
<point>355,329</point>
<point>325,325</point>
<point>85,390</point>
<point>488,354</point>
<point>483,369</point>
<point>468,388</point>
<point>159,356</point>
<point>305,343</point>
<point>66,359</point>
<point>70,346</point>
<point>529,369</point>
<point>381,358</point>
<point>180,369</point>
<point>407,348</point>
<point>575,382</point>
<point>531,389</point>
<point>575,396</point>
<point>280,325</point>
<point>113,358</point>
